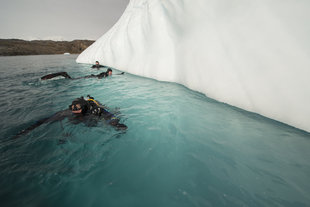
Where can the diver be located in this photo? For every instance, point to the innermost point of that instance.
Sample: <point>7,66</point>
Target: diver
<point>97,65</point>
<point>66,76</point>
<point>81,110</point>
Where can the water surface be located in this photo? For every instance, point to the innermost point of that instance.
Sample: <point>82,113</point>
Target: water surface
<point>181,148</point>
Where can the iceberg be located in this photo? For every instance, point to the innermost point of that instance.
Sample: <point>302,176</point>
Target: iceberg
<point>254,55</point>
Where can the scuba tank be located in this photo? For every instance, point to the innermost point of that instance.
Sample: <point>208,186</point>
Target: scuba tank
<point>94,106</point>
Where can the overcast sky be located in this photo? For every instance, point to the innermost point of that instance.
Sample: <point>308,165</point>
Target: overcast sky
<point>58,19</point>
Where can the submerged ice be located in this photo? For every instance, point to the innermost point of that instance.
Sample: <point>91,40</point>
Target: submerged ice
<point>251,54</point>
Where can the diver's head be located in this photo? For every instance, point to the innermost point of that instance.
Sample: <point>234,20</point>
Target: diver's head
<point>109,71</point>
<point>78,106</point>
<point>76,109</point>
<point>97,62</point>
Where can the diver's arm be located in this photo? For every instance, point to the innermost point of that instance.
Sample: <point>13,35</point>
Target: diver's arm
<point>32,127</point>
<point>111,119</point>
<point>100,75</point>
<point>53,75</point>
<point>84,77</point>
<point>55,117</point>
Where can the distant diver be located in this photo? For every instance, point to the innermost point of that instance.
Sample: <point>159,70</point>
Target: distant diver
<point>88,111</point>
<point>66,76</point>
<point>97,65</point>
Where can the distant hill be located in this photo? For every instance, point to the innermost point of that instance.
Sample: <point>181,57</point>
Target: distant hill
<point>11,47</point>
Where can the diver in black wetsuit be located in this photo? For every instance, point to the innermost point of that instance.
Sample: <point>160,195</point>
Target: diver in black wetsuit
<point>97,65</point>
<point>65,75</point>
<point>81,110</point>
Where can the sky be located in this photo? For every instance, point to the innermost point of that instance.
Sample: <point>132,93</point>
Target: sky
<point>58,19</point>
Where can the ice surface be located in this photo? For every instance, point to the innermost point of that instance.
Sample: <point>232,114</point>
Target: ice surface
<point>251,54</point>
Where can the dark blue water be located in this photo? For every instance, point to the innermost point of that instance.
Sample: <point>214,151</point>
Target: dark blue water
<point>181,148</point>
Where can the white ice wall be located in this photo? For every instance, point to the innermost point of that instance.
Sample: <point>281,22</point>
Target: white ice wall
<point>253,54</point>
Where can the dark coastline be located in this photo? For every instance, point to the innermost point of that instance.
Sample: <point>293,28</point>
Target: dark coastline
<point>13,47</point>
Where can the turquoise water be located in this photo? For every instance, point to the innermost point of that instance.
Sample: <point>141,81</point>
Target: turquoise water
<point>181,148</point>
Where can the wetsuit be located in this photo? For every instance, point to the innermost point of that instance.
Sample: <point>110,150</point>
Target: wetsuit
<point>91,111</point>
<point>98,66</point>
<point>65,75</point>
<point>53,75</point>
<point>59,116</point>
<point>96,109</point>
<point>99,76</point>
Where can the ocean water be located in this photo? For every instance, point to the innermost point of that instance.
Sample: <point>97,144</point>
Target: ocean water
<point>181,148</point>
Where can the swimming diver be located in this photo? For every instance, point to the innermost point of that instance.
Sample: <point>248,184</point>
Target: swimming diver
<point>97,65</point>
<point>80,110</point>
<point>66,76</point>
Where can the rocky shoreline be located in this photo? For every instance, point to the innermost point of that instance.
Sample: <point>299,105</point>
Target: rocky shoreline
<point>13,47</point>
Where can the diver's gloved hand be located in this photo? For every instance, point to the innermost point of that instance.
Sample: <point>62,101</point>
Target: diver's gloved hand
<point>121,126</point>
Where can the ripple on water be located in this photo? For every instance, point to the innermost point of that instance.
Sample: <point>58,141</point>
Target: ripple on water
<point>180,149</point>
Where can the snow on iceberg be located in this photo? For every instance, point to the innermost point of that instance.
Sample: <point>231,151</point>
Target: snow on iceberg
<point>251,54</point>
